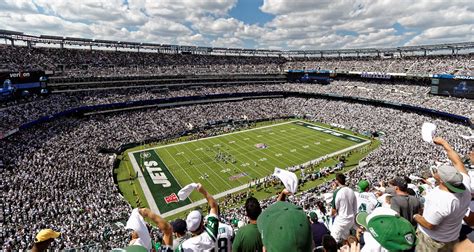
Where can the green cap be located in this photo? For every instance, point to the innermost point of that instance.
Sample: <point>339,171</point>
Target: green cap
<point>313,216</point>
<point>285,227</point>
<point>390,230</point>
<point>363,185</point>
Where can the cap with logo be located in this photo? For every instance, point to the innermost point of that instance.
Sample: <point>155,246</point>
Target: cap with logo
<point>285,227</point>
<point>45,235</point>
<point>452,178</point>
<point>390,230</point>
<point>363,185</point>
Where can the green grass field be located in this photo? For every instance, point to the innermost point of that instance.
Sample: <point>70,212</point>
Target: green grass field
<point>227,163</point>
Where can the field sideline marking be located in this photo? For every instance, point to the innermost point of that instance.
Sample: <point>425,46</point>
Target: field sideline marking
<point>239,188</point>
<point>146,190</point>
<point>172,175</point>
<point>331,129</point>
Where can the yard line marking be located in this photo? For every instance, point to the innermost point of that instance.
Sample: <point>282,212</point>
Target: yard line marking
<point>210,168</point>
<point>242,154</point>
<point>242,187</point>
<point>168,167</point>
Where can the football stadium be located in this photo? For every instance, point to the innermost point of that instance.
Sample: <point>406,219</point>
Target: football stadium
<point>236,125</point>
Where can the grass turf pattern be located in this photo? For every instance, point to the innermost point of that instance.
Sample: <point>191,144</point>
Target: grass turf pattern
<point>228,161</point>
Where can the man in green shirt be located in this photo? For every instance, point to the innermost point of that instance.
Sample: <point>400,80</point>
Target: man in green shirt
<point>248,238</point>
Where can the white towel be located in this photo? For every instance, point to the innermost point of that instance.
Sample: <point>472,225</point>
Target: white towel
<point>137,223</point>
<point>184,193</point>
<point>288,178</point>
<point>428,131</point>
<point>414,178</point>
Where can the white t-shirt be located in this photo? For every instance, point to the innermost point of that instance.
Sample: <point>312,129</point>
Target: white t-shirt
<point>471,175</point>
<point>446,210</point>
<point>346,203</point>
<point>366,201</point>
<point>371,245</point>
<point>206,240</point>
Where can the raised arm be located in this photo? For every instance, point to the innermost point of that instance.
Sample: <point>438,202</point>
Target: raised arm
<point>210,200</point>
<point>164,226</point>
<point>283,194</point>
<point>452,155</point>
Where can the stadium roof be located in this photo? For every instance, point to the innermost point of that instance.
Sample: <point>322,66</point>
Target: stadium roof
<point>48,39</point>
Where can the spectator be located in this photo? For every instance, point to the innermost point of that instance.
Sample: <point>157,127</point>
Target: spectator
<point>284,227</point>
<point>141,231</point>
<point>204,234</point>
<point>329,244</point>
<point>404,204</point>
<point>248,238</point>
<point>318,229</point>
<point>43,240</point>
<point>386,231</point>
<point>180,232</point>
<point>366,200</point>
<point>344,209</point>
<point>225,236</point>
<point>445,206</point>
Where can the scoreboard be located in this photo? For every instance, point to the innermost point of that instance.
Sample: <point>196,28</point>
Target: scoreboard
<point>310,76</point>
<point>17,84</point>
<point>452,85</point>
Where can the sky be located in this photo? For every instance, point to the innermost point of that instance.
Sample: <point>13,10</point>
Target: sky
<point>258,24</point>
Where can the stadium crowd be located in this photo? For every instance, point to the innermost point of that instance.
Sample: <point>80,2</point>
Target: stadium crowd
<point>435,64</point>
<point>101,63</point>
<point>406,93</point>
<point>55,177</point>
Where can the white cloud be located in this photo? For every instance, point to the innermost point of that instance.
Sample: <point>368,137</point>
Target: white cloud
<point>297,24</point>
<point>284,7</point>
<point>17,5</point>
<point>209,25</point>
<point>444,34</point>
<point>227,42</point>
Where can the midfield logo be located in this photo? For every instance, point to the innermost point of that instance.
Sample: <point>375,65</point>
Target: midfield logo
<point>171,198</point>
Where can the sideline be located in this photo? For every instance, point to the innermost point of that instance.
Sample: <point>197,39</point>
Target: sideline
<point>146,190</point>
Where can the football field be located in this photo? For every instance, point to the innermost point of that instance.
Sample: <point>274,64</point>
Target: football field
<point>227,163</point>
